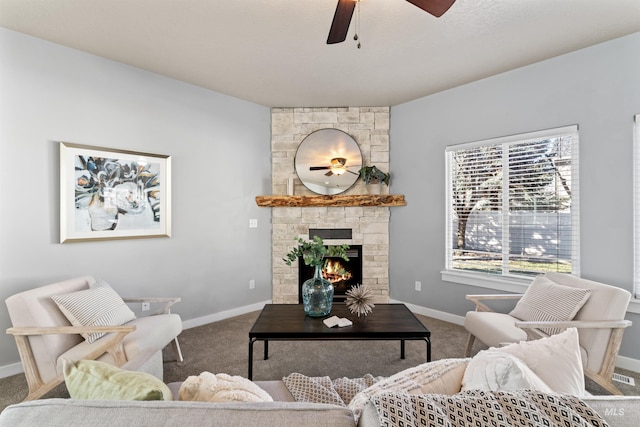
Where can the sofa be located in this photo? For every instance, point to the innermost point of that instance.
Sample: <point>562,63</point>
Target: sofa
<point>619,411</point>
<point>297,400</point>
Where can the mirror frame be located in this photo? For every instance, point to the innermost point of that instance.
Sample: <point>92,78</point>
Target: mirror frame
<point>328,149</point>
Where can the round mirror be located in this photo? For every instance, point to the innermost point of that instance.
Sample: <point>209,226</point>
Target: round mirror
<point>328,161</point>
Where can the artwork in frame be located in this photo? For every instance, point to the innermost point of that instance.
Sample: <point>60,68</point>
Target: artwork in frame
<point>113,194</point>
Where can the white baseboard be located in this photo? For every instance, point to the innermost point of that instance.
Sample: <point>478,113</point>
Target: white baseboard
<point>10,370</point>
<point>216,317</point>
<point>429,312</point>
<point>628,363</point>
<point>621,362</point>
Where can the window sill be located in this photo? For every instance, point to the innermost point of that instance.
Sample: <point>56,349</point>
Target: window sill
<point>510,284</point>
<point>505,284</point>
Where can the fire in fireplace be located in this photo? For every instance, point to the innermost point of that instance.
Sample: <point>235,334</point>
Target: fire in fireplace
<point>342,274</point>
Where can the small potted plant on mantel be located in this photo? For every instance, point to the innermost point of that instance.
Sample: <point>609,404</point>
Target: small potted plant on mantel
<point>374,178</point>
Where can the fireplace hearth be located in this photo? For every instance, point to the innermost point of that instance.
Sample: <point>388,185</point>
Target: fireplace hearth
<point>342,274</point>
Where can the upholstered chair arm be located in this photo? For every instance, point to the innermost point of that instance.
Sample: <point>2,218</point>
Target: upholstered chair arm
<point>534,328</point>
<point>59,330</point>
<point>108,344</point>
<point>164,309</point>
<point>481,306</point>
<point>584,324</point>
<point>603,376</point>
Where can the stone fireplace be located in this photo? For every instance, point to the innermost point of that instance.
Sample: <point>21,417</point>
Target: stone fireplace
<point>369,225</point>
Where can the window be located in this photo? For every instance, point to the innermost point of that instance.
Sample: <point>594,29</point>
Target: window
<point>513,204</point>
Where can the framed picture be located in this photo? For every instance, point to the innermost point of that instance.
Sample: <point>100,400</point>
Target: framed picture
<point>113,194</point>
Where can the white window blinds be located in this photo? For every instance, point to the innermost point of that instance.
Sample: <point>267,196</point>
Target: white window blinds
<point>513,204</point>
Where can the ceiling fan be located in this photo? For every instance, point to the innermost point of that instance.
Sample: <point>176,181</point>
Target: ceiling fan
<point>344,12</point>
<point>338,167</point>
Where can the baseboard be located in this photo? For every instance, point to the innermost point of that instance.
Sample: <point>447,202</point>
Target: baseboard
<point>429,312</point>
<point>621,362</point>
<point>10,370</point>
<point>216,317</point>
<point>628,363</point>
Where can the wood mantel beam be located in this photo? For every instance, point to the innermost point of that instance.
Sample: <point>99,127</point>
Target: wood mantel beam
<point>335,201</point>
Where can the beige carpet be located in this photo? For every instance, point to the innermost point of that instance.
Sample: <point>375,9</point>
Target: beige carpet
<point>222,347</point>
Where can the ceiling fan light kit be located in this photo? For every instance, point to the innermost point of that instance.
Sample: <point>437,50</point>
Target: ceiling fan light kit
<point>344,13</point>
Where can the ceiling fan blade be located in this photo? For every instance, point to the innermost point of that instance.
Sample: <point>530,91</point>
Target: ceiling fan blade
<point>435,7</point>
<point>341,21</point>
<point>318,168</point>
<point>355,173</point>
<point>328,173</point>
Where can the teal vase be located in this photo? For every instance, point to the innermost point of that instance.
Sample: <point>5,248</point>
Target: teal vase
<point>317,295</point>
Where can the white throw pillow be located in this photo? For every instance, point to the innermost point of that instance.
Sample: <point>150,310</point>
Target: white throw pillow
<point>545,300</point>
<point>555,359</point>
<point>100,306</point>
<point>495,370</point>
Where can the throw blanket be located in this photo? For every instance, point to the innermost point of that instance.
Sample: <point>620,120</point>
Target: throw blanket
<point>323,390</point>
<point>355,393</point>
<point>475,408</point>
<point>208,387</point>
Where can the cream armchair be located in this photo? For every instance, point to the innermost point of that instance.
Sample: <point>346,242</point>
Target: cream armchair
<point>600,324</point>
<point>45,337</point>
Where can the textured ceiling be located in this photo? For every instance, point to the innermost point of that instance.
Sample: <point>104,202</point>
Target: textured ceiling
<point>274,52</point>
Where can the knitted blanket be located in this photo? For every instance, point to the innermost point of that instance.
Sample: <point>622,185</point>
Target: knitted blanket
<point>208,387</point>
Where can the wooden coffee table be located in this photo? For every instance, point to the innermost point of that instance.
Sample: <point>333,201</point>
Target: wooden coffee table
<point>287,322</point>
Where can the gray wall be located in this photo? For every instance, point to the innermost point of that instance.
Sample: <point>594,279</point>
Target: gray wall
<point>597,88</point>
<point>220,150</point>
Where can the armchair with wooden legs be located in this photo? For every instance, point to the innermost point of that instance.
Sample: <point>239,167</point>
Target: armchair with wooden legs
<point>600,323</point>
<point>45,337</point>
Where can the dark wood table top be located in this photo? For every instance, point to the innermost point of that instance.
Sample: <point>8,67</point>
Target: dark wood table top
<point>386,321</point>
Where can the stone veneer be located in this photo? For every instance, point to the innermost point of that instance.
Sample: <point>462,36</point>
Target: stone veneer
<point>369,126</point>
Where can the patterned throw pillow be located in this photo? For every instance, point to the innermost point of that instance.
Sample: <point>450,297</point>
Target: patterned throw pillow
<point>545,300</point>
<point>100,306</point>
<point>478,407</point>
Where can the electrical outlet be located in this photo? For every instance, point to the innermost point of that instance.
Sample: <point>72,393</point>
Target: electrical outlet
<point>418,286</point>
<point>146,306</point>
<point>253,223</point>
<point>252,284</point>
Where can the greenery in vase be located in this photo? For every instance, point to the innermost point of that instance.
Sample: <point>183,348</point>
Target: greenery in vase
<point>314,252</point>
<point>372,173</point>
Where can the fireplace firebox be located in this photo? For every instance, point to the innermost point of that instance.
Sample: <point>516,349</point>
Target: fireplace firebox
<point>342,274</point>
